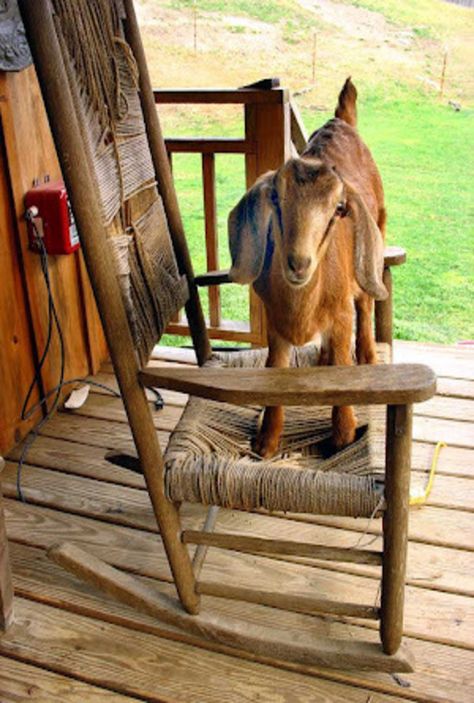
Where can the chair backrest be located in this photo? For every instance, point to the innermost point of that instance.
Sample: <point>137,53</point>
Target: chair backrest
<point>104,84</point>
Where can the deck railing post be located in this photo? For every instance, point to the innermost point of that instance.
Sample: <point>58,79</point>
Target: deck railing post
<point>268,126</point>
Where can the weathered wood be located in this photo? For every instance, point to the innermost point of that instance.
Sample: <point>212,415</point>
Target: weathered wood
<point>212,239</point>
<point>201,549</point>
<point>441,671</point>
<point>394,256</point>
<point>394,384</point>
<point>217,96</point>
<point>395,525</point>
<point>6,586</point>
<point>384,312</point>
<point>291,646</point>
<point>17,351</point>
<point>158,670</point>
<point>166,186</point>
<point>203,145</point>
<point>77,173</point>
<point>441,568</point>
<point>258,545</point>
<point>21,682</point>
<point>134,550</point>
<point>293,602</point>
<point>269,127</point>
<point>299,134</point>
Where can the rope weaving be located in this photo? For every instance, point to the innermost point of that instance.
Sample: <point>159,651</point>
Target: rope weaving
<point>209,457</point>
<point>104,83</point>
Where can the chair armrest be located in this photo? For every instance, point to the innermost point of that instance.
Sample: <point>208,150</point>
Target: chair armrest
<point>386,384</point>
<point>394,256</point>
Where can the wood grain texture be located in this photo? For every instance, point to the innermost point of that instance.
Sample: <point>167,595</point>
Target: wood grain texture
<point>17,351</point>
<point>446,618</point>
<point>6,585</point>
<point>440,568</point>
<point>21,682</point>
<point>281,644</point>
<point>258,545</point>
<point>155,669</point>
<point>394,384</point>
<point>395,525</point>
<point>40,580</point>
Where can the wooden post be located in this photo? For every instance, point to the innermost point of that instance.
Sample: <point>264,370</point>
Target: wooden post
<point>268,126</point>
<point>395,524</point>
<point>6,586</point>
<point>78,175</point>
<point>384,312</point>
<point>212,241</point>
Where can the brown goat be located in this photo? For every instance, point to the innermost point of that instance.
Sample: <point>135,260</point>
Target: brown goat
<point>310,237</point>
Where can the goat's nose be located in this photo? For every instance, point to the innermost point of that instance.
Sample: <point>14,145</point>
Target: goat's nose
<point>299,264</point>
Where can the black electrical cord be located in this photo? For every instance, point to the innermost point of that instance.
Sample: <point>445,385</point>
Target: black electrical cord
<point>53,322</point>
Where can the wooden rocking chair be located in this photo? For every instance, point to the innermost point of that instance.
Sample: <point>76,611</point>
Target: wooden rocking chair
<point>92,70</point>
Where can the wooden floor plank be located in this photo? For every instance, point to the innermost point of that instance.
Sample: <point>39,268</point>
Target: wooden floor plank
<point>78,459</point>
<point>109,408</point>
<point>90,461</point>
<point>23,683</point>
<point>95,432</point>
<point>432,567</point>
<point>453,432</point>
<point>455,388</point>
<point>444,617</point>
<point>155,669</point>
<point>454,362</point>
<point>38,579</point>
<point>447,408</point>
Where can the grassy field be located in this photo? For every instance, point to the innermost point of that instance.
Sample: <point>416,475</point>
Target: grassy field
<point>424,149</point>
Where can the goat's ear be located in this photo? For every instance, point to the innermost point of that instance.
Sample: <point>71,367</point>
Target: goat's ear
<point>368,247</point>
<point>248,227</point>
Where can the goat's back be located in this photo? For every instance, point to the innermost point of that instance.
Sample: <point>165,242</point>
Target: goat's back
<point>339,145</point>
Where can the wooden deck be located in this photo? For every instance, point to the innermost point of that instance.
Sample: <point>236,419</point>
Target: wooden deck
<point>72,645</point>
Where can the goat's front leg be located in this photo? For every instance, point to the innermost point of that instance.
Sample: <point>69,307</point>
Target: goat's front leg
<point>366,352</point>
<point>268,438</point>
<point>343,418</point>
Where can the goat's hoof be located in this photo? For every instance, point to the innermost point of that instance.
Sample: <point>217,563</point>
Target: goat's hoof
<point>265,445</point>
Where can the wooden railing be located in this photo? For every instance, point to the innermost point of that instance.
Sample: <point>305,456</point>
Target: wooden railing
<point>271,126</point>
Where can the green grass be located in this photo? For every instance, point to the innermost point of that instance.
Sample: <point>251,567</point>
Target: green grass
<point>425,152</point>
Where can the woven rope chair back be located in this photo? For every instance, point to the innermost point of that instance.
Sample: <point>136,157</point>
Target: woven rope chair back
<point>104,83</point>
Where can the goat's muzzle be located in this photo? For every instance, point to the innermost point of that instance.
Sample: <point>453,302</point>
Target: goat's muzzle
<point>298,272</point>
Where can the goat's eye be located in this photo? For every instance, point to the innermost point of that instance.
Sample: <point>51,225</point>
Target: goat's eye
<point>341,209</point>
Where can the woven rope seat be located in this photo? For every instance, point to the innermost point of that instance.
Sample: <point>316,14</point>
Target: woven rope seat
<point>209,458</point>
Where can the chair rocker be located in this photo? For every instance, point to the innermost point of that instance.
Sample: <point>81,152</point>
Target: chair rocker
<point>92,70</point>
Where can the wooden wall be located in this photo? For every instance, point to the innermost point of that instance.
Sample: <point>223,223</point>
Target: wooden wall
<point>27,153</point>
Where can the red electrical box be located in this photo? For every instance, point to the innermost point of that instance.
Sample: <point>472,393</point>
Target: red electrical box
<point>53,219</point>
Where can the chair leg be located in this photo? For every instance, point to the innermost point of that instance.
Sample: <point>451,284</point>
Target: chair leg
<point>6,586</point>
<point>395,524</point>
<point>384,312</point>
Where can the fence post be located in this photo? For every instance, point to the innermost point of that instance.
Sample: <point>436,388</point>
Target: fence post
<point>268,126</point>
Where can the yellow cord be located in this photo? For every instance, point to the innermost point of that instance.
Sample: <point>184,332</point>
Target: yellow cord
<point>418,496</point>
